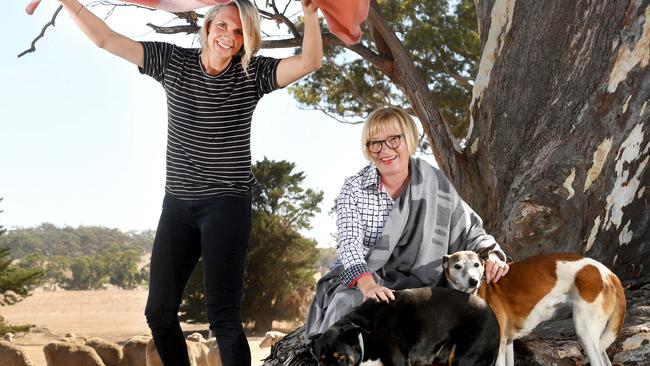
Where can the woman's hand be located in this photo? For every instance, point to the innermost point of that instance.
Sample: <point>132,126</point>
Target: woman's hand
<point>371,290</point>
<point>308,6</point>
<point>495,268</point>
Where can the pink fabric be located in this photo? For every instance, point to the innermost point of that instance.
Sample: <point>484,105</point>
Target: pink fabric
<point>167,5</point>
<point>344,17</point>
<point>29,9</point>
<point>176,6</point>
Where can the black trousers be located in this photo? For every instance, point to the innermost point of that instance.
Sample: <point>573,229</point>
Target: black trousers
<point>218,230</point>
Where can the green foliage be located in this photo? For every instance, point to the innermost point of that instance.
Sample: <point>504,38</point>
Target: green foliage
<point>8,328</point>
<point>122,267</point>
<point>113,265</point>
<point>85,258</point>
<point>88,273</point>
<point>444,45</point>
<point>15,282</point>
<point>281,263</point>
<point>50,240</point>
<point>279,194</point>
<point>12,289</point>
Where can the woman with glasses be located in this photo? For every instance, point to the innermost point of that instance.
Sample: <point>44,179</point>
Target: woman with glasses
<point>396,219</point>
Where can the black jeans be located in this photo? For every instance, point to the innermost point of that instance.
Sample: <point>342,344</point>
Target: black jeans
<point>218,230</point>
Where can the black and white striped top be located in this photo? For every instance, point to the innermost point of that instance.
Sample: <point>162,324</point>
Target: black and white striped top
<point>209,123</point>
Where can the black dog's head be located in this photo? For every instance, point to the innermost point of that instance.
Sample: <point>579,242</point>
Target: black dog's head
<point>342,344</point>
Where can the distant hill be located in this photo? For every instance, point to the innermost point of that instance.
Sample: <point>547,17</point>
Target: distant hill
<point>50,240</point>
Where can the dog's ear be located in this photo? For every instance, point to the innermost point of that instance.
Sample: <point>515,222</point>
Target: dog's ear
<point>349,327</point>
<point>355,328</point>
<point>484,252</point>
<point>445,261</point>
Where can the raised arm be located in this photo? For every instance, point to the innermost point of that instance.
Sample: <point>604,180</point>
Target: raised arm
<point>104,37</point>
<point>295,67</point>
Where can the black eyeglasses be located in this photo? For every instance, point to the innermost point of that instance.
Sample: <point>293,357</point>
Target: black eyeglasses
<point>392,142</point>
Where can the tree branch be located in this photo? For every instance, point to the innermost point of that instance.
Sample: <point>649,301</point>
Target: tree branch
<point>281,18</point>
<point>191,17</point>
<point>51,22</point>
<point>382,48</point>
<point>404,75</point>
<point>187,29</point>
<point>115,5</point>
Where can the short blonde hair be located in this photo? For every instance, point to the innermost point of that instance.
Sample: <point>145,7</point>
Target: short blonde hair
<point>380,119</point>
<point>250,21</point>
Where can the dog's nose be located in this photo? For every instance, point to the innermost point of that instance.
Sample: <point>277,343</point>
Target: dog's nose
<point>473,282</point>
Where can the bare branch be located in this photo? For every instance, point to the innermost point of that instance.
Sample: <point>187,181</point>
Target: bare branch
<point>187,29</point>
<point>115,5</point>
<point>363,51</point>
<point>281,18</point>
<point>51,22</point>
<point>282,43</point>
<point>191,17</point>
<point>286,7</point>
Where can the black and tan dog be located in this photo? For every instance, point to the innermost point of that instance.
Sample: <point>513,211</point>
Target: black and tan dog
<point>420,327</point>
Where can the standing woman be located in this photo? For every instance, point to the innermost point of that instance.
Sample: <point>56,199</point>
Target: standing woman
<point>211,92</point>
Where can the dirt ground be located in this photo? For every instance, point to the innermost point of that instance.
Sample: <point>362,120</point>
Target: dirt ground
<point>113,314</point>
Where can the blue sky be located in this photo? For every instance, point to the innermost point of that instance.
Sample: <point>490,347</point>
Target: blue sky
<point>82,134</point>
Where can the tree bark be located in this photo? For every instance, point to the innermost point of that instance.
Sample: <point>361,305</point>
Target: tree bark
<point>559,132</point>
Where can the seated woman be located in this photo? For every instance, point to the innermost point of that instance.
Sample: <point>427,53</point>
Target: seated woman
<point>396,218</point>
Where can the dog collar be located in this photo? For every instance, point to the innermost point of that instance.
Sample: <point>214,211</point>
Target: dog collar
<point>361,346</point>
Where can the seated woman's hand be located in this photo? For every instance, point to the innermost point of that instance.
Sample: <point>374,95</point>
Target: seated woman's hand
<point>371,290</point>
<point>495,268</point>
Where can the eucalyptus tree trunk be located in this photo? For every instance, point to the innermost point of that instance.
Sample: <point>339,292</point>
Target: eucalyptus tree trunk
<point>560,131</point>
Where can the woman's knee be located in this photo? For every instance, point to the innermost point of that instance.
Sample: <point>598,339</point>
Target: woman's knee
<point>160,318</point>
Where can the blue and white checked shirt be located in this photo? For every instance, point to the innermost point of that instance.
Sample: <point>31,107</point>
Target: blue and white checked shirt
<point>362,208</point>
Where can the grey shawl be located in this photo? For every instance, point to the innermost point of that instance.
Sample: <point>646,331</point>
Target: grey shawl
<point>429,220</point>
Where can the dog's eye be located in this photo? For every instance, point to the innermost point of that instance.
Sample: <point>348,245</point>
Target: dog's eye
<point>476,265</point>
<point>458,266</point>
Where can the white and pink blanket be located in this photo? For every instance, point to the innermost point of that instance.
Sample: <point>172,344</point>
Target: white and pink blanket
<point>343,17</point>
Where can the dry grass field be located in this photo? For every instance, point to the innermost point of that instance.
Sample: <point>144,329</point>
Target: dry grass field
<point>112,314</point>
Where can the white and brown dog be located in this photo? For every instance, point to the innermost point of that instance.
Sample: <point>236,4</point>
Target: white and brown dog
<point>535,287</point>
